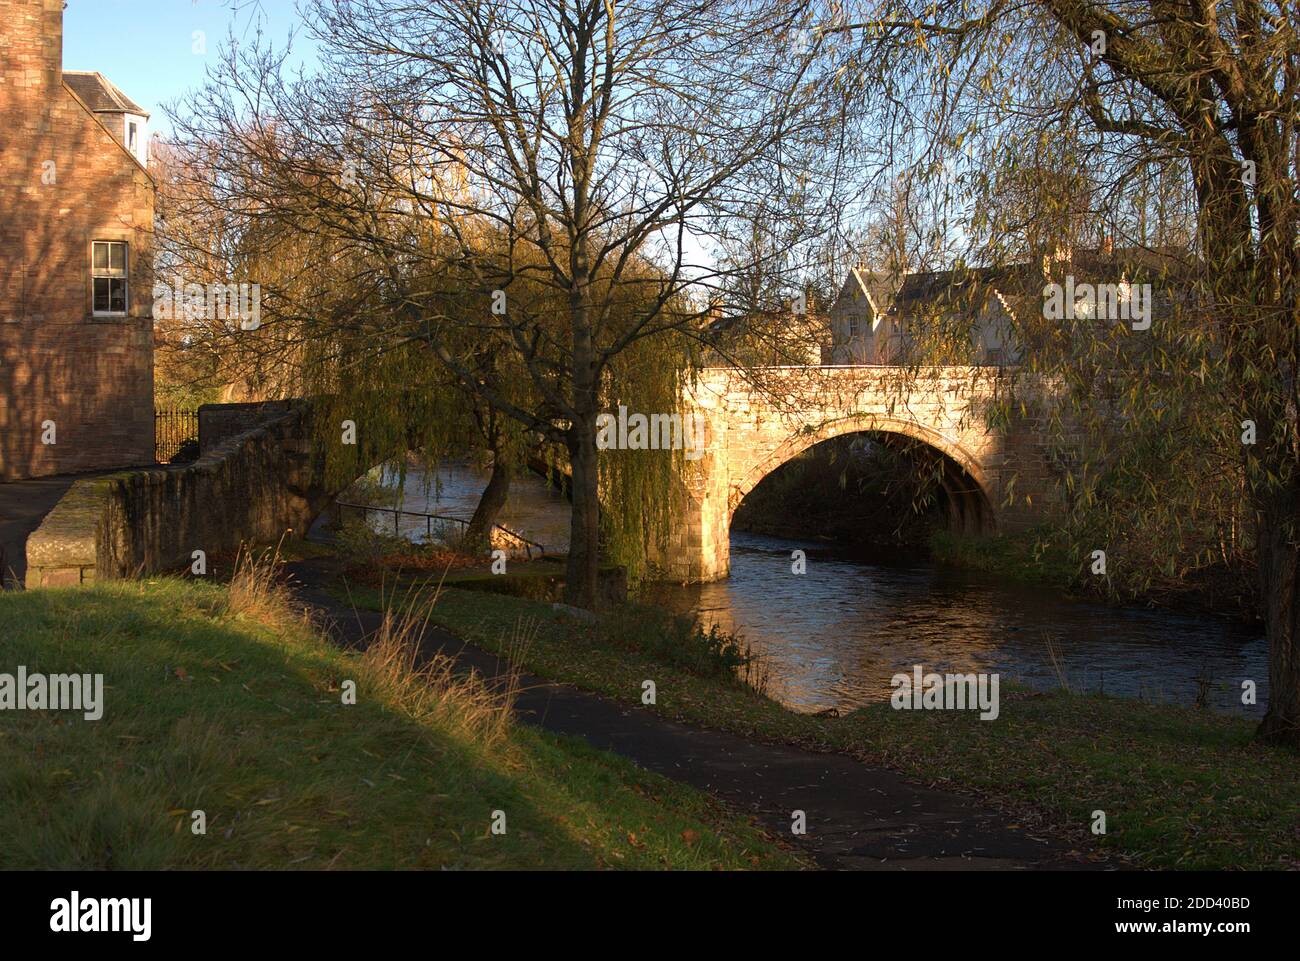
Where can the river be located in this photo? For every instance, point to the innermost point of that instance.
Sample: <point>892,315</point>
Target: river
<point>833,637</point>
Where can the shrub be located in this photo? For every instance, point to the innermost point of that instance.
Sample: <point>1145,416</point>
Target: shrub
<point>678,639</point>
<point>359,542</point>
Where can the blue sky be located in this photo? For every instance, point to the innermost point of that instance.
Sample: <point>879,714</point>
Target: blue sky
<point>146,46</point>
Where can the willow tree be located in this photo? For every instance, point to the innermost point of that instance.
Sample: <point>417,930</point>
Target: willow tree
<point>1202,99</point>
<point>595,140</point>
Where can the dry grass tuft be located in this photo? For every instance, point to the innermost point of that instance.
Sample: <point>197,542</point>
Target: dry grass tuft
<point>258,590</point>
<point>1058,663</point>
<point>422,684</point>
<point>425,684</point>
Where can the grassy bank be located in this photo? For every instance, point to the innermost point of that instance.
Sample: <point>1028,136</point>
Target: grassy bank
<point>227,703</point>
<point>1028,557</point>
<point>1041,557</point>
<point>1181,788</point>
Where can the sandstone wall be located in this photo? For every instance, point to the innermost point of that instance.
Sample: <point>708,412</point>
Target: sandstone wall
<point>752,432</point>
<point>218,423</point>
<point>65,182</point>
<point>253,487</point>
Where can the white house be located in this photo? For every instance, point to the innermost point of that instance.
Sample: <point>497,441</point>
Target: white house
<point>876,321</point>
<point>858,318</point>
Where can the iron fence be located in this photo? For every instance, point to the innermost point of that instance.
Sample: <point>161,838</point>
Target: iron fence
<point>438,529</point>
<point>175,436</point>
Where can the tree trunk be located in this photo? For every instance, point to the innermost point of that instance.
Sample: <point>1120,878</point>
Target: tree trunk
<point>584,527</point>
<point>1279,568</point>
<point>478,535</point>
<point>583,570</point>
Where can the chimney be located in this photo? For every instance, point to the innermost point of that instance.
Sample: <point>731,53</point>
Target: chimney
<point>1062,253</point>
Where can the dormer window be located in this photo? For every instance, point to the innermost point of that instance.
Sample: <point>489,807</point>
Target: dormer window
<point>108,277</point>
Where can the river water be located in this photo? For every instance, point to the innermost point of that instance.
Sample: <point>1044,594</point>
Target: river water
<point>534,510</point>
<point>835,635</point>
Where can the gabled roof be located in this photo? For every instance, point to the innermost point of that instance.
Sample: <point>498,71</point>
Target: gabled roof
<point>1016,284</point>
<point>1018,288</point>
<point>964,290</point>
<point>99,93</point>
<point>1154,265</point>
<point>877,289</point>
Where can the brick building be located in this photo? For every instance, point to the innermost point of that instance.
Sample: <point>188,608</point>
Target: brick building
<point>76,231</point>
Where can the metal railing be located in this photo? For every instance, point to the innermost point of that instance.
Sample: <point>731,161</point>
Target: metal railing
<point>528,545</point>
<point>172,430</point>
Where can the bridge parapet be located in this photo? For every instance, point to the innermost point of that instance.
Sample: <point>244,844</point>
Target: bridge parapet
<point>257,483</point>
<point>260,473</point>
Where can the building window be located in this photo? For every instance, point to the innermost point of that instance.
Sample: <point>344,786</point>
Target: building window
<point>855,325</point>
<point>108,273</point>
<point>130,136</point>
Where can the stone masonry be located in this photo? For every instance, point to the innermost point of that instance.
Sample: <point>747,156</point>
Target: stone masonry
<point>65,181</point>
<point>995,480</point>
<point>259,474</point>
<point>252,487</point>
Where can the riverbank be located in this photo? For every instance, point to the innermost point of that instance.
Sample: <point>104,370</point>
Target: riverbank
<point>1026,558</point>
<point>1038,557</point>
<point>226,701</point>
<point>1180,788</point>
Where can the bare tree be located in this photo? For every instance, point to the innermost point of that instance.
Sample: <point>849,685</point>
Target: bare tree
<point>593,140</point>
<point>1201,94</point>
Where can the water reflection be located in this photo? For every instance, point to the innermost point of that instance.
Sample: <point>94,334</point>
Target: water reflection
<point>836,635</point>
<point>533,509</point>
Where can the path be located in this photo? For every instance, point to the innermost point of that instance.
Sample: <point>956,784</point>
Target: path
<point>23,505</point>
<point>859,817</point>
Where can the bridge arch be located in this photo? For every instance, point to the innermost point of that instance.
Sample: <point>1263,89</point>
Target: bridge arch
<point>967,490</point>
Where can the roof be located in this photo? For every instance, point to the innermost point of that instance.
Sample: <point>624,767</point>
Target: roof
<point>878,288</point>
<point>968,288</point>
<point>963,290</point>
<point>99,93</point>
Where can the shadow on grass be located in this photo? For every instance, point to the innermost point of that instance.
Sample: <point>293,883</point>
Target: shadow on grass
<point>208,712</point>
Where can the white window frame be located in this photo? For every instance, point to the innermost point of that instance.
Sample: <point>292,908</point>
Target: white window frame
<point>110,273</point>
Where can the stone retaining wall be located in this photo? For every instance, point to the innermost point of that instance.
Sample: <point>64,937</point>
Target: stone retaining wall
<point>219,423</point>
<point>252,487</point>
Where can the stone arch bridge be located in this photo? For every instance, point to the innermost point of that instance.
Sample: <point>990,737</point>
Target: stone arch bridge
<point>757,421</point>
<point>257,477</point>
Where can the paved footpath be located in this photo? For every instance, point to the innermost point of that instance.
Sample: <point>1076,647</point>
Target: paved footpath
<point>859,817</point>
<point>23,505</point>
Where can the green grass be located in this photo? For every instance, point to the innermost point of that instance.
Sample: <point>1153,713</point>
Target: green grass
<point>1032,557</point>
<point>1180,787</point>
<point>241,717</point>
